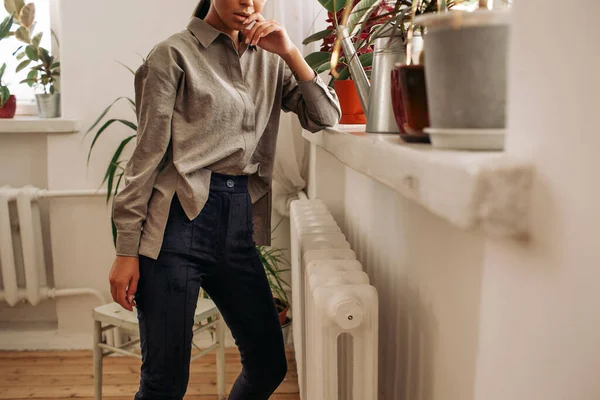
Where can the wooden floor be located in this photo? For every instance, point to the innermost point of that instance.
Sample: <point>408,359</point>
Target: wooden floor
<point>68,375</point>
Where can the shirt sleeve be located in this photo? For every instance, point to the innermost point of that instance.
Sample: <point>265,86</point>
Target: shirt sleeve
<point>316,104</point>
<point>155,94</point>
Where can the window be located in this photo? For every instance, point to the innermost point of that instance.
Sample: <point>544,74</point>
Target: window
<point>24,94</point>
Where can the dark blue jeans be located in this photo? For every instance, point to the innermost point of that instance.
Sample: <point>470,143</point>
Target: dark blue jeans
<point>215,251</point>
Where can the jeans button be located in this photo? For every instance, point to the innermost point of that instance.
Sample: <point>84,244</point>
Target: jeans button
<point>230,183</point>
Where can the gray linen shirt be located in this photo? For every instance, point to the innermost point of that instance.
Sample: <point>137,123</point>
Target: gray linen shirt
<point>203,107</point>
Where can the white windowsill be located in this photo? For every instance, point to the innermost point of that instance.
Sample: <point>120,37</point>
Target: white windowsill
<point>487,191</point>
<point>22,124</point>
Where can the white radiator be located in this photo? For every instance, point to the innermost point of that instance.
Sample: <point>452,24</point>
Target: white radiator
<point>22,239</point>
<point>335,310</point>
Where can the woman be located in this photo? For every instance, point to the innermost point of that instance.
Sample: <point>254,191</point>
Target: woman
<point>208,106</point>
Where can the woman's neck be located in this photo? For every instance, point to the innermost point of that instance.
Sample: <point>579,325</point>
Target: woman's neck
<point>213,19</point>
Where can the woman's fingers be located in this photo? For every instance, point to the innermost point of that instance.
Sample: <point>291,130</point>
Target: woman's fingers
<point>249,34</point>
<point>266,32</point>
<point>254,17</point>
<point>122,297</point>
<point>263,31</point>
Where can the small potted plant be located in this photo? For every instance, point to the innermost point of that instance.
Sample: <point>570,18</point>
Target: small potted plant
<point>273,259</point>
<point>466,72</point>
<point>45,72</point>
<point>44,75</point>
<point>8,102</point>
<point>352,112</point>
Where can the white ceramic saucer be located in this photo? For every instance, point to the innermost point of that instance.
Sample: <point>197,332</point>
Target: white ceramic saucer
<point>467,139</point>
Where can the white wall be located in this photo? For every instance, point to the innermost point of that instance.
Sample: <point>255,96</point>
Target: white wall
<point>540,324</point>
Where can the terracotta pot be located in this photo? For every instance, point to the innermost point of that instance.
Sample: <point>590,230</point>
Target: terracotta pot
<point>352,111</point>
<point>10,108</point>
<point>282,310</point>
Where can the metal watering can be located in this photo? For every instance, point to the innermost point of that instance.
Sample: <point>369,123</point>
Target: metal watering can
<point>376,97</point>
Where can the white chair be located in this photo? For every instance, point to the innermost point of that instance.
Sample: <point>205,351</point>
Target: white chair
<point>113,316</point>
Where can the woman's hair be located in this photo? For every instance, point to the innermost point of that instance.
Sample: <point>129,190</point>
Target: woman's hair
<point>202,9</point>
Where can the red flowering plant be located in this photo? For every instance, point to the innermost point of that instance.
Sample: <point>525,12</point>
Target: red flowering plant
<point>364,20</point>
<point>363,39</point>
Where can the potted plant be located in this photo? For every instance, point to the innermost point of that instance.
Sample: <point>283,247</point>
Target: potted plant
<point>8,102</point>
<point>466,73</point>
<point>272,258</point>
<point>45,72</point>
<point>321,61</point>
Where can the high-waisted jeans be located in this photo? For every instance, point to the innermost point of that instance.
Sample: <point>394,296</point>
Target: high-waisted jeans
<point>216,252</point>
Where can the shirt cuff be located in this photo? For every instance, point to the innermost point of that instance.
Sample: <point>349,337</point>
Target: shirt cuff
<point>315,90</point>
<point>128,243</point>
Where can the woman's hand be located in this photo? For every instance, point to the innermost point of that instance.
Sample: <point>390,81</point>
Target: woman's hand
<point>123,278</point>
<point>268,35</point>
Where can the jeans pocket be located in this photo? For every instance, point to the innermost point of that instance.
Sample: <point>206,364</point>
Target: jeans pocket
<point>250,221</point>
<point>206,227</point>
<point>178,231</point>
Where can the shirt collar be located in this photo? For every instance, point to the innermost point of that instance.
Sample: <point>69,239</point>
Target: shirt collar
<point>205,33</point>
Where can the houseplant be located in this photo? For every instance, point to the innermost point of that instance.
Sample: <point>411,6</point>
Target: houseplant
<point>45,73</point>
<point>321,61</point>
<point>273,259</point>
<point>466,73</point>
<point>8,102</point>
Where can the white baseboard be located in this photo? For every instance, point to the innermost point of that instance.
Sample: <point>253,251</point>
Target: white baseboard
<point>64,340</point>
<point>44,340</point>
<point>54,339</point>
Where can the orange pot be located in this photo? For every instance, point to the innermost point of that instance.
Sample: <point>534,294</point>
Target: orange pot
<point>352,111</point>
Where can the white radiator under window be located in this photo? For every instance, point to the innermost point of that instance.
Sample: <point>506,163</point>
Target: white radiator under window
<point>335,310</point>
<point>26,230</point>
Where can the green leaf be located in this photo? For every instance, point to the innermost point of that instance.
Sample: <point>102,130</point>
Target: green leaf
<point>23,65</point>
<point>20,55</point>
<point>106,126</point>
<point>126,67</point>
<point>52,89</point>
<point>2,70</point>
<point>324,67</point>
<point>114,162</point>
<point>344,74</point>
<point>37,39</point>
<point>329,4</point>
<point>317,36</point>
<point>14,6</point>
<point>45,56</point>
<point>366,60</point>
<point>5,26</point>
<point>4,95</point>
<point>118,185</point>
<point>32,53</point>
<point>360,13</point>
<point>23,34</point>
<point>27,15</point>
<point>318,58</point>
<point>106,110</point>
<point>30,82</point>
<point>55,65</point>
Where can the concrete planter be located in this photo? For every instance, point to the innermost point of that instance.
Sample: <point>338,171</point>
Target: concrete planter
<point>465,67</point>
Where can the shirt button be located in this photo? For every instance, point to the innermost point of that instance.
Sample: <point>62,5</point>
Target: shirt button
<point>230,183</point>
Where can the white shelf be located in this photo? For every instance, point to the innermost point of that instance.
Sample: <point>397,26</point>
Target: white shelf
<point>472,190</point>
<point>38,125</point>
